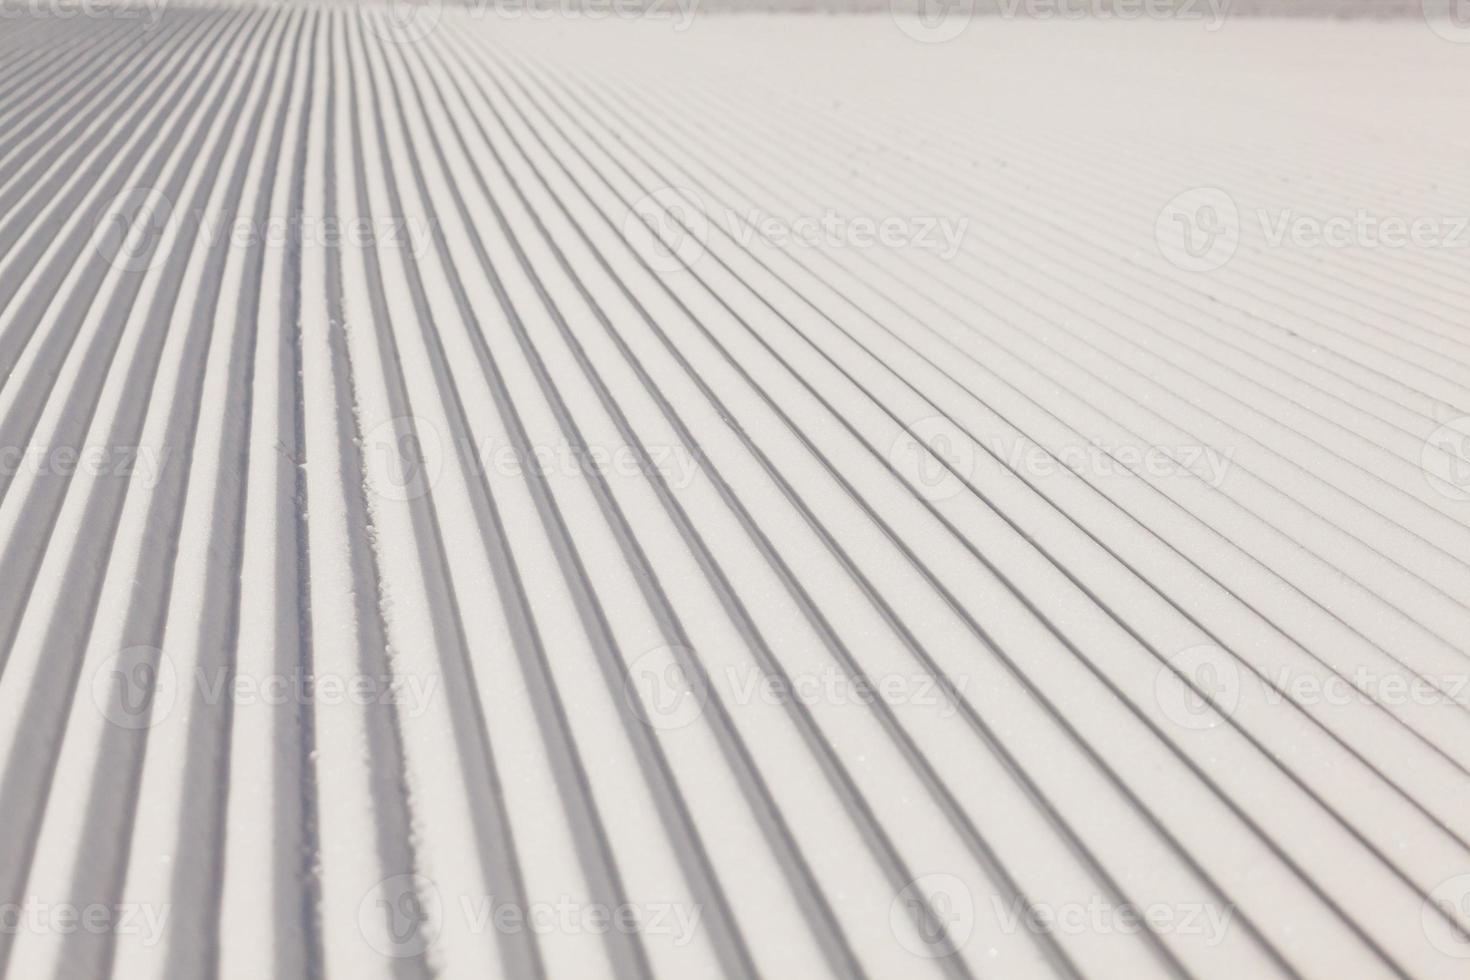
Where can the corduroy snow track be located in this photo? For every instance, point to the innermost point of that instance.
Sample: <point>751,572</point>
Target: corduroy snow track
<point>498,491</point>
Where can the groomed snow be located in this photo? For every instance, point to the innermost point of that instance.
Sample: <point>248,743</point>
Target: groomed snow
<point>503,493</point>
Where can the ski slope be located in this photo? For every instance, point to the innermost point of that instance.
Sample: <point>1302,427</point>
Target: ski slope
<point>485,495</point>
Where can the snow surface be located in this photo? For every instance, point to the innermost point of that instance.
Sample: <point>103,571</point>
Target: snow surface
<point>491,492</point>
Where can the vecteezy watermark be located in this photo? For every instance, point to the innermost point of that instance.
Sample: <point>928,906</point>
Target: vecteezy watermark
<point>937,21</point>
<point>830,686</point>
<point>144,464</point>
<point>679,13</point>
<point>1362,229</point>
<point>1212,12</point>
<point>932,21</point>
<point>941,235</point>
<point>934,457</point>
<point>382,232</point>
<point>667,691</point>
<point>144,920</point>
<point>1445,458</point>
<point>937,459</point>
<point>131,230</point>
<point>404,916</point>
<point>1105,917</point>
<point>1200,230</point>
<point>1199,687</point>
<point>1365,686</point>
<point>671,229</point>
<point>402,21</point>
<point>1445,916</point>
<point>138,688</point>
<point>1096,458</point>
<point>401,916</point>
<point>404,458</point>
<point>128,231</point>
<point>1450,19</point>
<point>933,916</point>
<point>149,10</point>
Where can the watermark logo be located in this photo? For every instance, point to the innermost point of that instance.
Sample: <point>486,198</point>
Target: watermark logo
<point>1211,12</point>
<point>932,21</point>
<point>672,226</point>
<point>135,688</point>
<point>404,21</point>
<point>152,10</point>
<point>668,227</point>
<point>1199,687</point>
<point>380,232</point>
<point>130,228</point>
<point>402,458</point>
<point>1445,458</point>
<point>940,235</point>
<point>1198,230</point>
<point>1450,19</point>
<point>1366,686</point>
<point>144,921</point>
<point>405,915</point>
<point>667,695</point>
<point>662,691</point>
<point>933,916</point>
<point>680,13</point>
<point>1445,909</point>
<point>566,916</point>
<point>1096,458</point>
<point>402,916</point>
<point>145,464</point>
<point>829,685</point>
<point>138,688</point>
<point>1362,229</point>
<point>934,457</point>
<point>1104,917</point>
